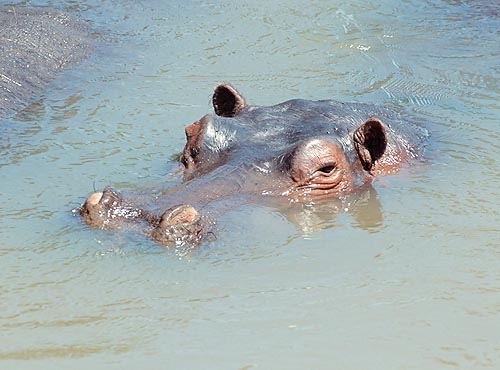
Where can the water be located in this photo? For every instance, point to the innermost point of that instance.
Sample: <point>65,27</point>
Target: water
<point>416,285</point>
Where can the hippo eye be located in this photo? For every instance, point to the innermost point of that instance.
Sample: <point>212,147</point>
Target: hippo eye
<point>327,169</point>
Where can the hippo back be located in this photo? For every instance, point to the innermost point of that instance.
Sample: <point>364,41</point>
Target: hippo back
<point>35,44</point>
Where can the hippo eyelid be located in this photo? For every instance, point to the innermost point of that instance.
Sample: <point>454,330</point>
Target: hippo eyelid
<point>327,169</point>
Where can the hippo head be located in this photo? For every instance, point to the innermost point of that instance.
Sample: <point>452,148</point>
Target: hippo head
<point>297,149</point>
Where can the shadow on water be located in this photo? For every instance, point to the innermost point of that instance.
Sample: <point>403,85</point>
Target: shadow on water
<point>363,207</point>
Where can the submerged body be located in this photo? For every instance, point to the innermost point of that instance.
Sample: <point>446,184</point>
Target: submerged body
<point>296,151</point>
<point>36,44</point>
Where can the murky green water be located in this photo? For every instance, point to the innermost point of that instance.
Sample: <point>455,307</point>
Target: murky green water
<point>417,289</point>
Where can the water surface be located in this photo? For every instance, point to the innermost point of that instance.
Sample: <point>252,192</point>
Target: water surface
<point>417,286</point>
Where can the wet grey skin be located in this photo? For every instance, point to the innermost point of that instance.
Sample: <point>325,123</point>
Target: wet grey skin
<point>293,152</point>
<point>35,45</point>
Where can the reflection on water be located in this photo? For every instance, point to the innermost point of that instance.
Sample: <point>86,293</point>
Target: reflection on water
<point>403,275</point>
<point>364,207</point>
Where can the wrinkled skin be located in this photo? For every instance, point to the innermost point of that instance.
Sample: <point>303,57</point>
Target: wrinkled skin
<point>293,152</point>
<point>35,45</point>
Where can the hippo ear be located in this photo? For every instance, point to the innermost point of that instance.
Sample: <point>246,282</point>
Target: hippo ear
<point>227,101</point>
<point>370,142</point>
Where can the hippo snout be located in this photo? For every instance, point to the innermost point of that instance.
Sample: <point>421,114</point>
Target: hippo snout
<point>179,225</point>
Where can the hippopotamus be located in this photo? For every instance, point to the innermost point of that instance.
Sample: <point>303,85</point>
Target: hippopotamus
<point>295,151</point>
<point>35,45</point>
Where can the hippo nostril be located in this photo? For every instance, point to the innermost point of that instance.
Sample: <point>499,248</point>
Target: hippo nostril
<point>184,214</point>
<point>94,199</point>
<point>179,225</point>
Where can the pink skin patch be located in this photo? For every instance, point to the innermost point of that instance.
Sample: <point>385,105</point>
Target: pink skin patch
<point>94,199</point>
